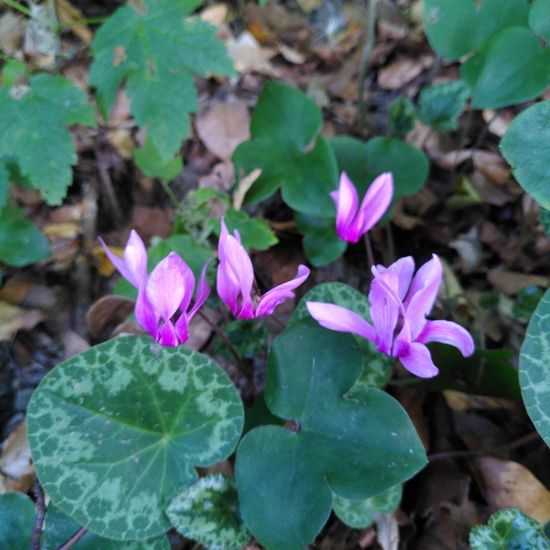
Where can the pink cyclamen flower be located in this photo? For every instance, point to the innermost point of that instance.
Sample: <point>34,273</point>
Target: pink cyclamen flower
<point>165,295</point>
<point>352,220</point>
<point>399,304</point>
<point>236,278</point>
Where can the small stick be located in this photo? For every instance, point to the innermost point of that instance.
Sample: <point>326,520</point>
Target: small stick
<point>370,33</point>
<point>74,539</point>
<point>40,514</point>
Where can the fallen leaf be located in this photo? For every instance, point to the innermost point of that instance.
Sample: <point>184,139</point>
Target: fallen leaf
<point>123,142</point>
<point>291,55</point>
<point>108,311</point>
<point>15,462</point>
<point>244,185</point>
<point>12,28</point>
<point>247,55</point>
<point>215,14</point>
<point>469,250</point>
<point>511,282</point>
<point>223,128</point>
<point>14,318</point>
<point>498,123</point>
<point>403,70</point>
<point>63,230</point>
<point>72,17</point>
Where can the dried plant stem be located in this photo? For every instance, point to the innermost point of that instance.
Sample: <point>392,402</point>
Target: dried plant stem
<point>74,539</point>
<point>40,514</point>
<point>370,34</point>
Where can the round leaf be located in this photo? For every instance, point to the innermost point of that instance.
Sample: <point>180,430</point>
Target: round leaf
<point>208,512</point>
<point>116,431</point>
<point>534,369</point>
<point>353,447</point>
<point>526,146</point>
<point>539,18</point>
<point>16,521</point>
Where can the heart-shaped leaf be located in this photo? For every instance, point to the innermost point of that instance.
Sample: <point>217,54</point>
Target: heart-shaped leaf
<point>355,447</point>
<point>440,105</point>
<point>208,512</point>
<point>456,27</point>
<point>16,521</point>
<point>116,431</point>
<point>287,146</point>
<point>512,68</point>
<point>509,530</point>
<point>539,18</point>
<point>358,514</point>
<point>526,146</point>
<point>534,369</point>
<point>363,161</point>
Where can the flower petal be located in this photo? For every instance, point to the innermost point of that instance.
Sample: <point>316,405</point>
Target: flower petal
<point>404,269</point>
<point>145,313</point>
<point>167,335</point>
<point>167,285</point>
<point>135,257</point>
<point>271,299</point>
<point>341,319</point>
<point>450,333</point>
<point>203,291</point>
<point>346,201</point>
<point>422,294</point>
<point>376,201</point>
<point>182,328</point>
<point>384,311</point>
<point>417,360</point>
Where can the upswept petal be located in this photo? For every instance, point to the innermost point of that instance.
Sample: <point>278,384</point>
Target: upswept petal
<point>450,333</point>
<point>167,286</point>
<point>203,291</point>
<point>271,299</point>
<point>341,319</point>
<point>404,268</point>
<point>120,264</point>
<point>346,201</point>
<point>145,313</point>
<point>376,201</point>
<point>422,294</point>
<point>239,267</point>
<point>385,307</point>
<point>182,327</point>
<point>227,288</point>
<point>417,360</point>
<point>135,257</point>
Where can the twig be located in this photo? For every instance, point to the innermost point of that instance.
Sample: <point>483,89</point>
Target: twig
<point>370,33</point>
<point>227,343</point>
<point>533,436</point>
<point>107,187</point>
<point>74,539</point>
<point>40,514</point>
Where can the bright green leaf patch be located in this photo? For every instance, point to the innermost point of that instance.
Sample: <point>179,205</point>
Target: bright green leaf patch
<point>534,368</point>
<point>33,131</point>
<point>287,146</point>
<point>152,164</point>
<point>21,242</point>
<point>208,512</point>
<point>16,521</point>
<point>440,105</point>
<point>116,431</point>
<point>526,146</point>
<point>359,514</point>
<point>354,447</point>
<point>255,232</point>
<point>509,529</point>
<point>157,52</point>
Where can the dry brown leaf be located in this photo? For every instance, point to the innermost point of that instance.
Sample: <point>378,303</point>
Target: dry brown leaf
<point>15,462</point>
<point>507,484</point>
<point>63,230</point>
<point>12,28</point>
<point>215,14</point>
<point>102,263</point>
<point>247,55</point>
<point>244,185</point>
<point>403,70</point>
<point>107,312</point>
<point>14,318</point>
<point>511,282</point>
<point>72,17</point>
<point>291,55</point>
<point>223,127</point>
<point>123,142</point>
<point>497,123</point>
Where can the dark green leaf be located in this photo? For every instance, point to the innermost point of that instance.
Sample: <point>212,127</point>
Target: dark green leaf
<point>526,301</point>
<point>257,414</point>
<point>116,431</point>
<point>526,146</point>
<point>440,105</point>
<point>151,164</point>
<point>21,242</point>
<point>4,186</point>
<point>255,232</point>
<point>208,512</point>
<point>33,132</point>
<point>544,216</point>
<point>534,369</point>
<point>402,114</point>
<point>16,521</point>
<point>539,18</point>
<point>355,447</point>
<point>247,336</point>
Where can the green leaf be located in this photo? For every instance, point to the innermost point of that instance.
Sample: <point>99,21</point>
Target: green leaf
<point>60,527</point>
<point>157,52</point>
<point>255,232</point>
<point>354,447</point>
<point>151,164</point>
<point>359,514</point>
<point>33,132</point>
<point>456,27</point>
<point>509,529</point>
<point>4,185</point>
<point>16,521</point>
<point>116,431</point>
<point>544,216</point>
<point>287,146</point>
<point>526,146</point>
<point>208,512</point>
<point>21,242</point>
<point>247,336</point>
<point>12,71</point>
<point>440,105</point>
<point>321,243</point>
<point>512,68</point>
<point>376,366</point>
<point>534,369</point>
<point>363,161</point>
<point>402,114</point>
<point>526,301</point>
<point>539,18</point>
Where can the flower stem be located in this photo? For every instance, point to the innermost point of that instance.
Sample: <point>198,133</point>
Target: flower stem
<point>74,539</point>
<point>171,195</point>
<point>368,248</point>
<point>40,515</point>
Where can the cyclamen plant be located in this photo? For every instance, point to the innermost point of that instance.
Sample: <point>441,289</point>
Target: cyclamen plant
<point>117,431</point>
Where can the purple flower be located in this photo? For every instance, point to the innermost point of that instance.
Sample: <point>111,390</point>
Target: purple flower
<point>352,220</point>
<point>236,278</point>
<point>399,304</point>
<point>164,296</point>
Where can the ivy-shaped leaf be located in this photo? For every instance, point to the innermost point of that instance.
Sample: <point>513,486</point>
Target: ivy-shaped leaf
<point>526,146</point>
<point>355,447</point>
<point>509,529</point>
<point>359,514</point>
<point>534,368</point>
<point>116,431</point>
<point>440,105</point>
<point>286,144</point>
<point>16,521</point>
<point>376,366</point>
<point>208,512</point>
<point>33,131</point>
<point>157,52</point>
